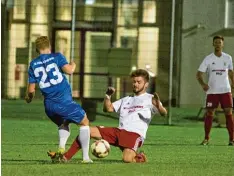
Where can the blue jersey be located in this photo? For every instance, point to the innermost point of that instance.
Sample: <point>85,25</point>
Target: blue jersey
<point>46,70</point>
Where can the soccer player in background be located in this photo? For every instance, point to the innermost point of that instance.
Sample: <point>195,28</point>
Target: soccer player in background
<point>48,71</point>
<point>219,67</point>
<point>135,113</point>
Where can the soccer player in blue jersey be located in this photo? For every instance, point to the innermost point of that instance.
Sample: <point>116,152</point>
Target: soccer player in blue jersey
<point>48,71</point>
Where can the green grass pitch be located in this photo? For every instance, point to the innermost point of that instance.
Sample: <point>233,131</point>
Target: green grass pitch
<point>27,134</point>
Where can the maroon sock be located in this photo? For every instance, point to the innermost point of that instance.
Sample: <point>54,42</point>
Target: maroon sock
<point>207,126</point>
<point>73,149</point>
<point>230,126</point>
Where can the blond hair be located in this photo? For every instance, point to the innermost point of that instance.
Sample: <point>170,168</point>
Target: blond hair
<point>42,42</point>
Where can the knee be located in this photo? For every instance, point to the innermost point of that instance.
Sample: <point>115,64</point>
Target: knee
<point>85,121</point>
<point>127,159</point>
<point>64,127</point>
<point>210,112</point>
<point>95,133</point>
<point>228,111</point>
<point>92,133</point>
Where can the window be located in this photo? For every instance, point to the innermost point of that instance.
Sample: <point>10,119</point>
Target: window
<point>128,13</point>
<point>229,14</point>
<point>86,10</point>
<point>19,12</point>
<point>127,38</point>
<point>149,12</point>
<point>89,2</point>
<point>63,10</point>
<point>39,11</point>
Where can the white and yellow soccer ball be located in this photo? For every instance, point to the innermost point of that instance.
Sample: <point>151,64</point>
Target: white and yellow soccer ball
<point>100,148</point>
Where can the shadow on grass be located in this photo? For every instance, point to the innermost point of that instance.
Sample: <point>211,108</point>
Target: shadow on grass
<point>24,161</point>
<point>96,161</point>
<point>43,162</point>
<point>30,144</point>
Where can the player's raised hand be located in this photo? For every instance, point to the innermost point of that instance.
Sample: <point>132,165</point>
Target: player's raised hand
<point>155,99</point>
<point>205,87</point>
<point>157,103</point>
<point>72,63</point>
<point>110,91</point>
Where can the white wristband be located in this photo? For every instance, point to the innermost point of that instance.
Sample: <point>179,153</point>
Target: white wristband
<point>108,96</point>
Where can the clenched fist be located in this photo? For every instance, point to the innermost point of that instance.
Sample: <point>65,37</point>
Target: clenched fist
<point>156,97</point>
<point>110,91</point>
<point>205,87</point>
<point>28,99</point>
<point>156,100</point>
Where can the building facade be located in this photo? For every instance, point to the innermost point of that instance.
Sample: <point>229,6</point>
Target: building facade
<point>199,25</point>
<point>114,37</point>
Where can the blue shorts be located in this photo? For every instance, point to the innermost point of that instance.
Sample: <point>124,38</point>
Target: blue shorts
<point>69,111</point>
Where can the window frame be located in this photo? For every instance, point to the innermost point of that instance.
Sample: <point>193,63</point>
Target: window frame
<point>14,19</point>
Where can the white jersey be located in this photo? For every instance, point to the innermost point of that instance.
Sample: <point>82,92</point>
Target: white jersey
<point>135,113</point>
<point>217,70</point>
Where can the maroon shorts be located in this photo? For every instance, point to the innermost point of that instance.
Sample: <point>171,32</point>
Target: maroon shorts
<point>121,138</point>
<point>213,100</point>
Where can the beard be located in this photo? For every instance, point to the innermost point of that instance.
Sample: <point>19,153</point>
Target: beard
<point>137,92</point>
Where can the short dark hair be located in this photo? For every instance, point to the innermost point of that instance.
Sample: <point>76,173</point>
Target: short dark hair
<point>140,72</point>
<point>218,37</point>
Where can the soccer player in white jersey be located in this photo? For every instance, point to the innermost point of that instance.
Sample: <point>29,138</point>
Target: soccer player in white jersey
<point>135,113</point>
<point>218,66</point>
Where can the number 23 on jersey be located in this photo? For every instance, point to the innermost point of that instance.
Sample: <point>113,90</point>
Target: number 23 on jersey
<point>49,68</point>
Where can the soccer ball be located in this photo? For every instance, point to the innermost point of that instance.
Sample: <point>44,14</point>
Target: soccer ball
<point>100,148</point>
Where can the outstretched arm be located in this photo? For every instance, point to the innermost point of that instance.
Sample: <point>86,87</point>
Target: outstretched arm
<point>157,103</point>
<point>30,92</point>
<point>107,105</point>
